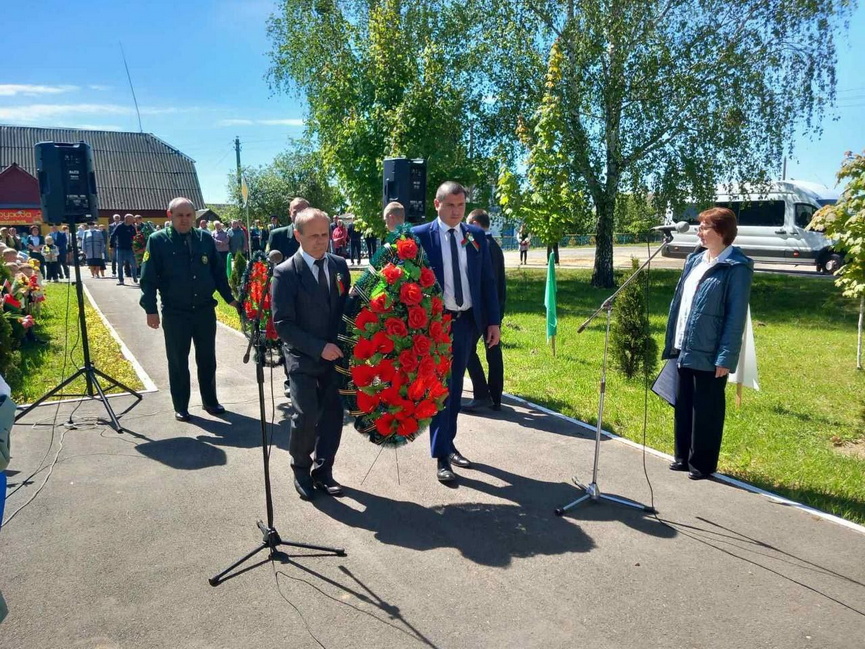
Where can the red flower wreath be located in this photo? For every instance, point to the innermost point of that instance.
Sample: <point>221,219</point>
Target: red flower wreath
<point>255,303</point>
<point>398,345</point>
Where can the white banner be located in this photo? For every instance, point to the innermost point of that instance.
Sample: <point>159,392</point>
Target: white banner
<point>746,370</point>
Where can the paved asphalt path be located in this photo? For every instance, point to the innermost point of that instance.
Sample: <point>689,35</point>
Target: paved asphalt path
<point>115,550</point>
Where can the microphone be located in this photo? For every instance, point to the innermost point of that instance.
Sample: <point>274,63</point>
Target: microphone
<point>681,227</point>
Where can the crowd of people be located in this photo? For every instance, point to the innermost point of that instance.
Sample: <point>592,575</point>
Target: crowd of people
<point>311,287</point>
<point>308,322</point>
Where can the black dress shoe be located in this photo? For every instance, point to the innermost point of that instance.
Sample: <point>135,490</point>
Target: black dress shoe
<point>476,404</point>
<point>218,409</point>
<point>459,460</point>
<point>496,406</point>
<point>304,487</point>
<point>444,473</point>
<point>678,465</point>
<point>698,475</point>
<point>327,484</point>
<point>182,415</point>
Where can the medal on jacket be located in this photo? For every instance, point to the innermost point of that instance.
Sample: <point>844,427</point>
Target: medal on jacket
<point>205,260</point>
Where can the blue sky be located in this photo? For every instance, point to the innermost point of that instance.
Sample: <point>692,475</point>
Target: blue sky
<point>199,73</point>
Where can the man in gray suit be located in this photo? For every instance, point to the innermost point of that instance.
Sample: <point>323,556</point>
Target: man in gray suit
<point>308,293</point>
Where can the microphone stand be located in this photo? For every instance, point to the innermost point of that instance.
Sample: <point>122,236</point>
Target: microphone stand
<point>591,491</point>
<point>270,537</point>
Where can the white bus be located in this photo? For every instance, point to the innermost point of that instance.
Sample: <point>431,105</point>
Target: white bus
<point>771,225</point>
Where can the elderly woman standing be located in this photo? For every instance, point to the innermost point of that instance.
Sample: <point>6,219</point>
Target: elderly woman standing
<point>704,335</point>
<point>34,248</point>
<point>93,246</point>
<point>339,236</point>
<point>220,238</point>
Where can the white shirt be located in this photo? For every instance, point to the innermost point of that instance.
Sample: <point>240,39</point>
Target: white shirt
<point>449,292</point>
<point>310,261</point>
<point>690,289</point>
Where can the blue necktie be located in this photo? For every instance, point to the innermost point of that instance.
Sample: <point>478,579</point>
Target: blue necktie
<point>455,266</point>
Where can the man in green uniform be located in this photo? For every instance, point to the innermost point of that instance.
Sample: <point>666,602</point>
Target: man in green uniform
<point>182,264</point>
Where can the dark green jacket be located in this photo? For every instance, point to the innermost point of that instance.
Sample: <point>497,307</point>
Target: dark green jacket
<point>185,277</point>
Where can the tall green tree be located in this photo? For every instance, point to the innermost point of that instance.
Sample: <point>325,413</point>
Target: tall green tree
<point>844,222</point>
<point>386,78</point>
<point>298,171</point>
<point>669,97</point>
<point>551,201</point>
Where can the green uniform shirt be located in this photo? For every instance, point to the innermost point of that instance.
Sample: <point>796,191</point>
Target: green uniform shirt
<point>186,270</point>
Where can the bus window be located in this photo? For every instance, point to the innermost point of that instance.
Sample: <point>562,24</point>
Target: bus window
<point>804,214</point>
<point>757,213</point>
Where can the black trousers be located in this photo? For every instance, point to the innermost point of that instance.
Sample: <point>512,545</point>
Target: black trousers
<point>482,387</point>
<point>53,270</point>
<point>316,420</point>
<point>64,265</point>
<point>354,247</point>
<point>699,419</point>
<point>181,331</point>
<point>371,244</point>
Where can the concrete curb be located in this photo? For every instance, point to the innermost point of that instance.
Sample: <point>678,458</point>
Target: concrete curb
<point>149,385</point>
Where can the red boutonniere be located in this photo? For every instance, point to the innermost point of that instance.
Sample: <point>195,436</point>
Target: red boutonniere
<point>341,285</point>
<point>471,239</point>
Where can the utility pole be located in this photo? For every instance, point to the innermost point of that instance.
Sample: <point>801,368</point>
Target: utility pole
<point>237,152</point>
<point>784,169</point>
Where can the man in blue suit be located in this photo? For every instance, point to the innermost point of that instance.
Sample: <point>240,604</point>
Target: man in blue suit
<point>460,257</point>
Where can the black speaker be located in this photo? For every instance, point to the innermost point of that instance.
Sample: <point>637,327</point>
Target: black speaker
<point>405,182</point>
<point>67,184</point>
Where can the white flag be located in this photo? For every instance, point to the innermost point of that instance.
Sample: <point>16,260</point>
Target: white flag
<point>746,370</point>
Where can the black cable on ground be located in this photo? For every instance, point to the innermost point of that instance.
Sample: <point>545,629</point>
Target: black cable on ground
<point>646,382</point>
<point>40,465</point>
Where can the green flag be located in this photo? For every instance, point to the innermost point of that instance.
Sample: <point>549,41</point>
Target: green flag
<point>550,298</point>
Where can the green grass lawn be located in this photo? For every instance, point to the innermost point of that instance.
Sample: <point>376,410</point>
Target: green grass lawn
<point>226,314</point>
<point>801,435</point>
<point>42,366</point>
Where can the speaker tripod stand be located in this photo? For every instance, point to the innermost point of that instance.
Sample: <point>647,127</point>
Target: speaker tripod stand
<point>93,388</point>
<point>270,539</point>
<point>591,491</point>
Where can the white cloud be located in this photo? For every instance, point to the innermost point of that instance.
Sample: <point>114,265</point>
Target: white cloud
<point>41,112</point>
<point>34,113</point>
<point>13,89</point>
<point>260,122</point>
<point>96,86</point>
<point>234,122</point>
<point>281,122</point>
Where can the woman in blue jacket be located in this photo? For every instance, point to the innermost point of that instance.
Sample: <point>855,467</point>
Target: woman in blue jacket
<point>704,335</point>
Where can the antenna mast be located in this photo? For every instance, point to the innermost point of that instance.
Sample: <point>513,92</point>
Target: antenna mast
<point>129,77</point>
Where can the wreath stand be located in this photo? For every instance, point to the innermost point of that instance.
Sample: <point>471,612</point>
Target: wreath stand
<point>270,540</point>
